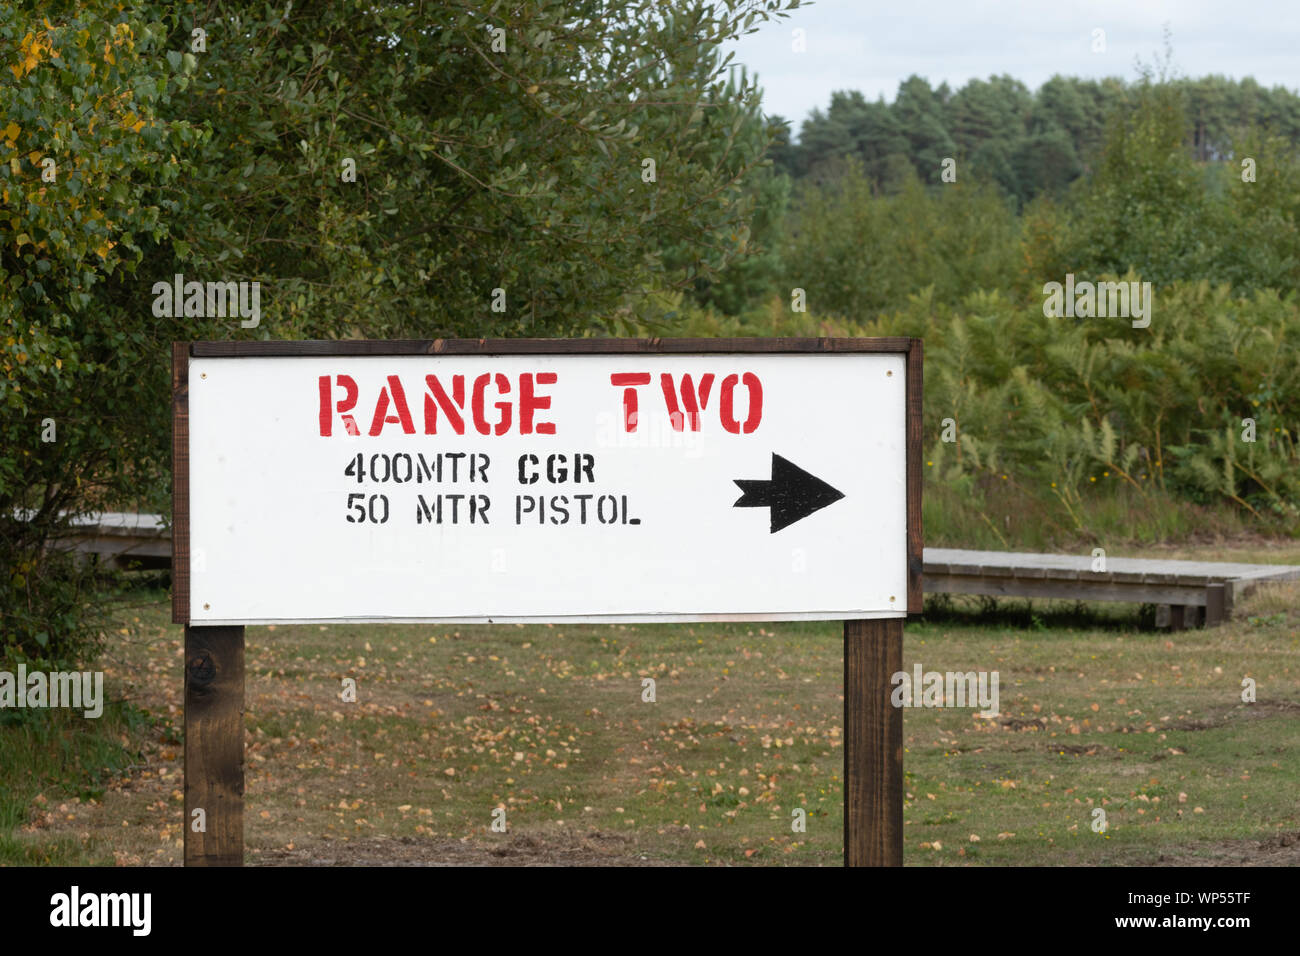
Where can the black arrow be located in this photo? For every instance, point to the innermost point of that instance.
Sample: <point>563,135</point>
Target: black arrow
<point>792,493</point>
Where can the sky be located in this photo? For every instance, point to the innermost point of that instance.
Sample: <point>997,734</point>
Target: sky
<point>872,46</point>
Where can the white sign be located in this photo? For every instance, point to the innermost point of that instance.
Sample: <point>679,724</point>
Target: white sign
<point>592,487</point>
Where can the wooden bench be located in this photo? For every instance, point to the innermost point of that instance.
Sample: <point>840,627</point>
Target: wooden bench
<point>1185,592</point>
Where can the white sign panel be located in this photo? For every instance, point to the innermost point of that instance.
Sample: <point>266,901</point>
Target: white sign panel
<point>611,487</point>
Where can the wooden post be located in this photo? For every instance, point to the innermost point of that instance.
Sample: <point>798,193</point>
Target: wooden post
<point>1214,604</point>
<point>214,745</point>
<point>873,744</point>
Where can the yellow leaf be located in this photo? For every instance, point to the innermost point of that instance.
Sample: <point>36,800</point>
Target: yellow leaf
<point>12,131</point>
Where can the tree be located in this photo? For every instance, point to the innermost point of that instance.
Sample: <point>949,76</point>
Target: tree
<point>1143,206</point>
<point>995,111</point>
<point>784,154</point>
<point>85,160</point>
<point>550,150</point>
<point>1044,163</point>
<point>554,151</point>
<point>919,112</point>
<point>825,137</point>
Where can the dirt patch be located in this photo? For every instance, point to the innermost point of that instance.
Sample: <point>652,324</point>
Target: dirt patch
<point>558,848</point>
<point>1222,715</point>
<point>1280,850</point>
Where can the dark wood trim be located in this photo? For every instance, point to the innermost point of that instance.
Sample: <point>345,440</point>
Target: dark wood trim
<point>180,482</point>
<point>873,744</point>
<point>915,477</point>
<point>354,347</point>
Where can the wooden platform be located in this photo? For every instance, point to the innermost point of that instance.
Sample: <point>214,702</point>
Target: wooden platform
<point>1186,592</point>
<point>122,538</point>
<point>1192,591</point>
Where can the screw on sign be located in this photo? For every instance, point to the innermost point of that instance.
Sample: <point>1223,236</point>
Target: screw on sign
<point>331,481</point>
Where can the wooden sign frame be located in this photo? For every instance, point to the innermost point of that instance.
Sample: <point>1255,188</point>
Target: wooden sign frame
<point>214,655</point>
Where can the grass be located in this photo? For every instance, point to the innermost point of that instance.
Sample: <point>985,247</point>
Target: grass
<point>60,753</point>
<point>1150,728</point>
<point>549,723</point>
